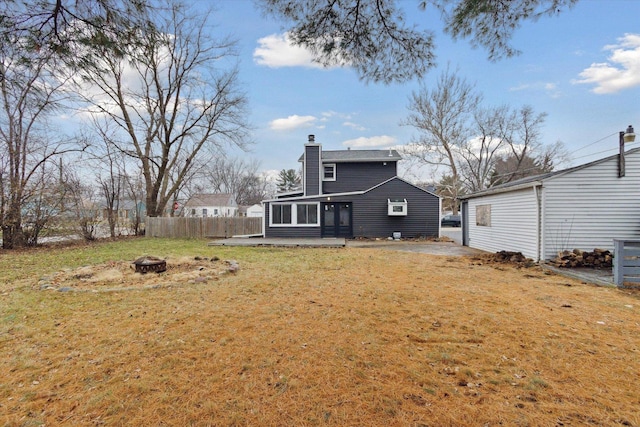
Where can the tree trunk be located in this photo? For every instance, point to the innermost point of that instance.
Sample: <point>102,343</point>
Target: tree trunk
<point>112,219</point>
<point>12,233</point>
<point>13,237</point>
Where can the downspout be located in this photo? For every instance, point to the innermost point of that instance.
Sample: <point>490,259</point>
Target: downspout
<point>538,193</point>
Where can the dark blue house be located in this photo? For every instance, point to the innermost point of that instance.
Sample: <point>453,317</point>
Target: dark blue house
<point>352,193</point>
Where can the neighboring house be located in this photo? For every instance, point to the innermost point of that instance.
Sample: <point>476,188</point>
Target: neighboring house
<point>127,209</point>
<point>352,193</point>
<point>255,211</point>
<point>211,205</point>
<point>584,207</point>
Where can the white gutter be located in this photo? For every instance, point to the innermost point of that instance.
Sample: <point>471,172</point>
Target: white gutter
<point>492,191</point>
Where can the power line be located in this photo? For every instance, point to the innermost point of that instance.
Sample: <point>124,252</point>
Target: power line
<point>595,142</point>
<point>608,150</point>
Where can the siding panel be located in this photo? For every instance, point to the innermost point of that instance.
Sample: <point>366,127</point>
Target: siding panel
<point>370,211</point>
<point>312,169</point>
<point>590,207</point>
<point>354,176</point>
<point>514,219</point>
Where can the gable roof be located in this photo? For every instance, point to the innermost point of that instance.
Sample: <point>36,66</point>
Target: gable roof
<point>360,156</point>
<point>221,199</point>
<point>524,182</point>
<point>344,156</point>
<point>349,193</point>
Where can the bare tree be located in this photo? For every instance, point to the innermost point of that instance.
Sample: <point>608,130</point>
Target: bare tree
<point>30,91</point>
<point>442,117</point>
<point>552,156</point>
<point>478,147</point>
<point>524,153</point>
<point>449,190</point>
<point>478,155</point>
<point>168,99</point>
<point>509,167</point>
<point>111,186</point>
<point>234,176</point>
<point>82,202</point>
<point>134,191</point>
<point>46,200</point>
<point>520,131</point>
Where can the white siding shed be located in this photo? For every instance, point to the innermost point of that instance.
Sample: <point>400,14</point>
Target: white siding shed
<point>505,222</point>
<point>584,207</point>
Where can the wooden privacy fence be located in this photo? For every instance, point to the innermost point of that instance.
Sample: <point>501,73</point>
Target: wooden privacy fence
<point>626,262</point>
<point>202,227</point>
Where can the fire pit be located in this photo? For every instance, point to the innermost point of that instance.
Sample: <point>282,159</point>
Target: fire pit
<point>147,263</point>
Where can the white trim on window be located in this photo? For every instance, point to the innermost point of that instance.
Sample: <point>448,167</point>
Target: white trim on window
<point>294,214</point>
<point>329,172</point>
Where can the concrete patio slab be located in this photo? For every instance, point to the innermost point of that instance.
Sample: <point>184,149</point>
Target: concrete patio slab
<point>283,242</point>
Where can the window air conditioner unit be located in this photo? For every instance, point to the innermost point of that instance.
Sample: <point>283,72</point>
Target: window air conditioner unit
<point>397,207</point>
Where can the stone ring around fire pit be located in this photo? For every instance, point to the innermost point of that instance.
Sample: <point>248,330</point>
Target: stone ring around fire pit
<point>148,263</point>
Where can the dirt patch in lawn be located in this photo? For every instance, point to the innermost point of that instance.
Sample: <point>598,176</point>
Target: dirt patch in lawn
<point>120,275</point>
<point>515,259</point>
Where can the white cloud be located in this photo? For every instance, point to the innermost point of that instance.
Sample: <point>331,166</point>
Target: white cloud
<point>277,50</point>
<point>622,71</point>
<point>551,89</point>
<point>292,122</point>
<point>354,126</point>
<point>374,141</point>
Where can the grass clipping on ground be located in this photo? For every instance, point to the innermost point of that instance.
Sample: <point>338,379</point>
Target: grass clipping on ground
<point>342,337</point>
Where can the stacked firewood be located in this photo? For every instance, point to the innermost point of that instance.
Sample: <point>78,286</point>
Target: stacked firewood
<point>598,258</point>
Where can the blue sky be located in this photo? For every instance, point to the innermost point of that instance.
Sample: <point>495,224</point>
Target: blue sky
<point>582,68</point>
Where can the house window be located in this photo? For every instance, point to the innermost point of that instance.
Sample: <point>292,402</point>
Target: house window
<point>281,214</point>
<point>204,213</point>
<point>397,207</point>
<point>307,213</point>
<point>329,173</point>
<point>295,214</point>
<point>483,215</point>
<point>193,212</point>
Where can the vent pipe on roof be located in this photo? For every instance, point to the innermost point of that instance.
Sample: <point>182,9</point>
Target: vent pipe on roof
<point>312,138</point>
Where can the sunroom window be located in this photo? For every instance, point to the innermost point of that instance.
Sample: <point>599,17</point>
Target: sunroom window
<point>281,214</point>
<point>295,214</point>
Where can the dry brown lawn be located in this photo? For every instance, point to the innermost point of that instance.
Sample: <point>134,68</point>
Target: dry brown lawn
<point>305,337</point>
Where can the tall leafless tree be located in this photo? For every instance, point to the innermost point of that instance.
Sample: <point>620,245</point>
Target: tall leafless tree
<point>235,176</point>
<point>521,131</point>
<point>478,155</point>
<point>30,92</point>
<point>171,96</point>
<point>471,142</point>
<point>442,117</point>
<point>111,182</point>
